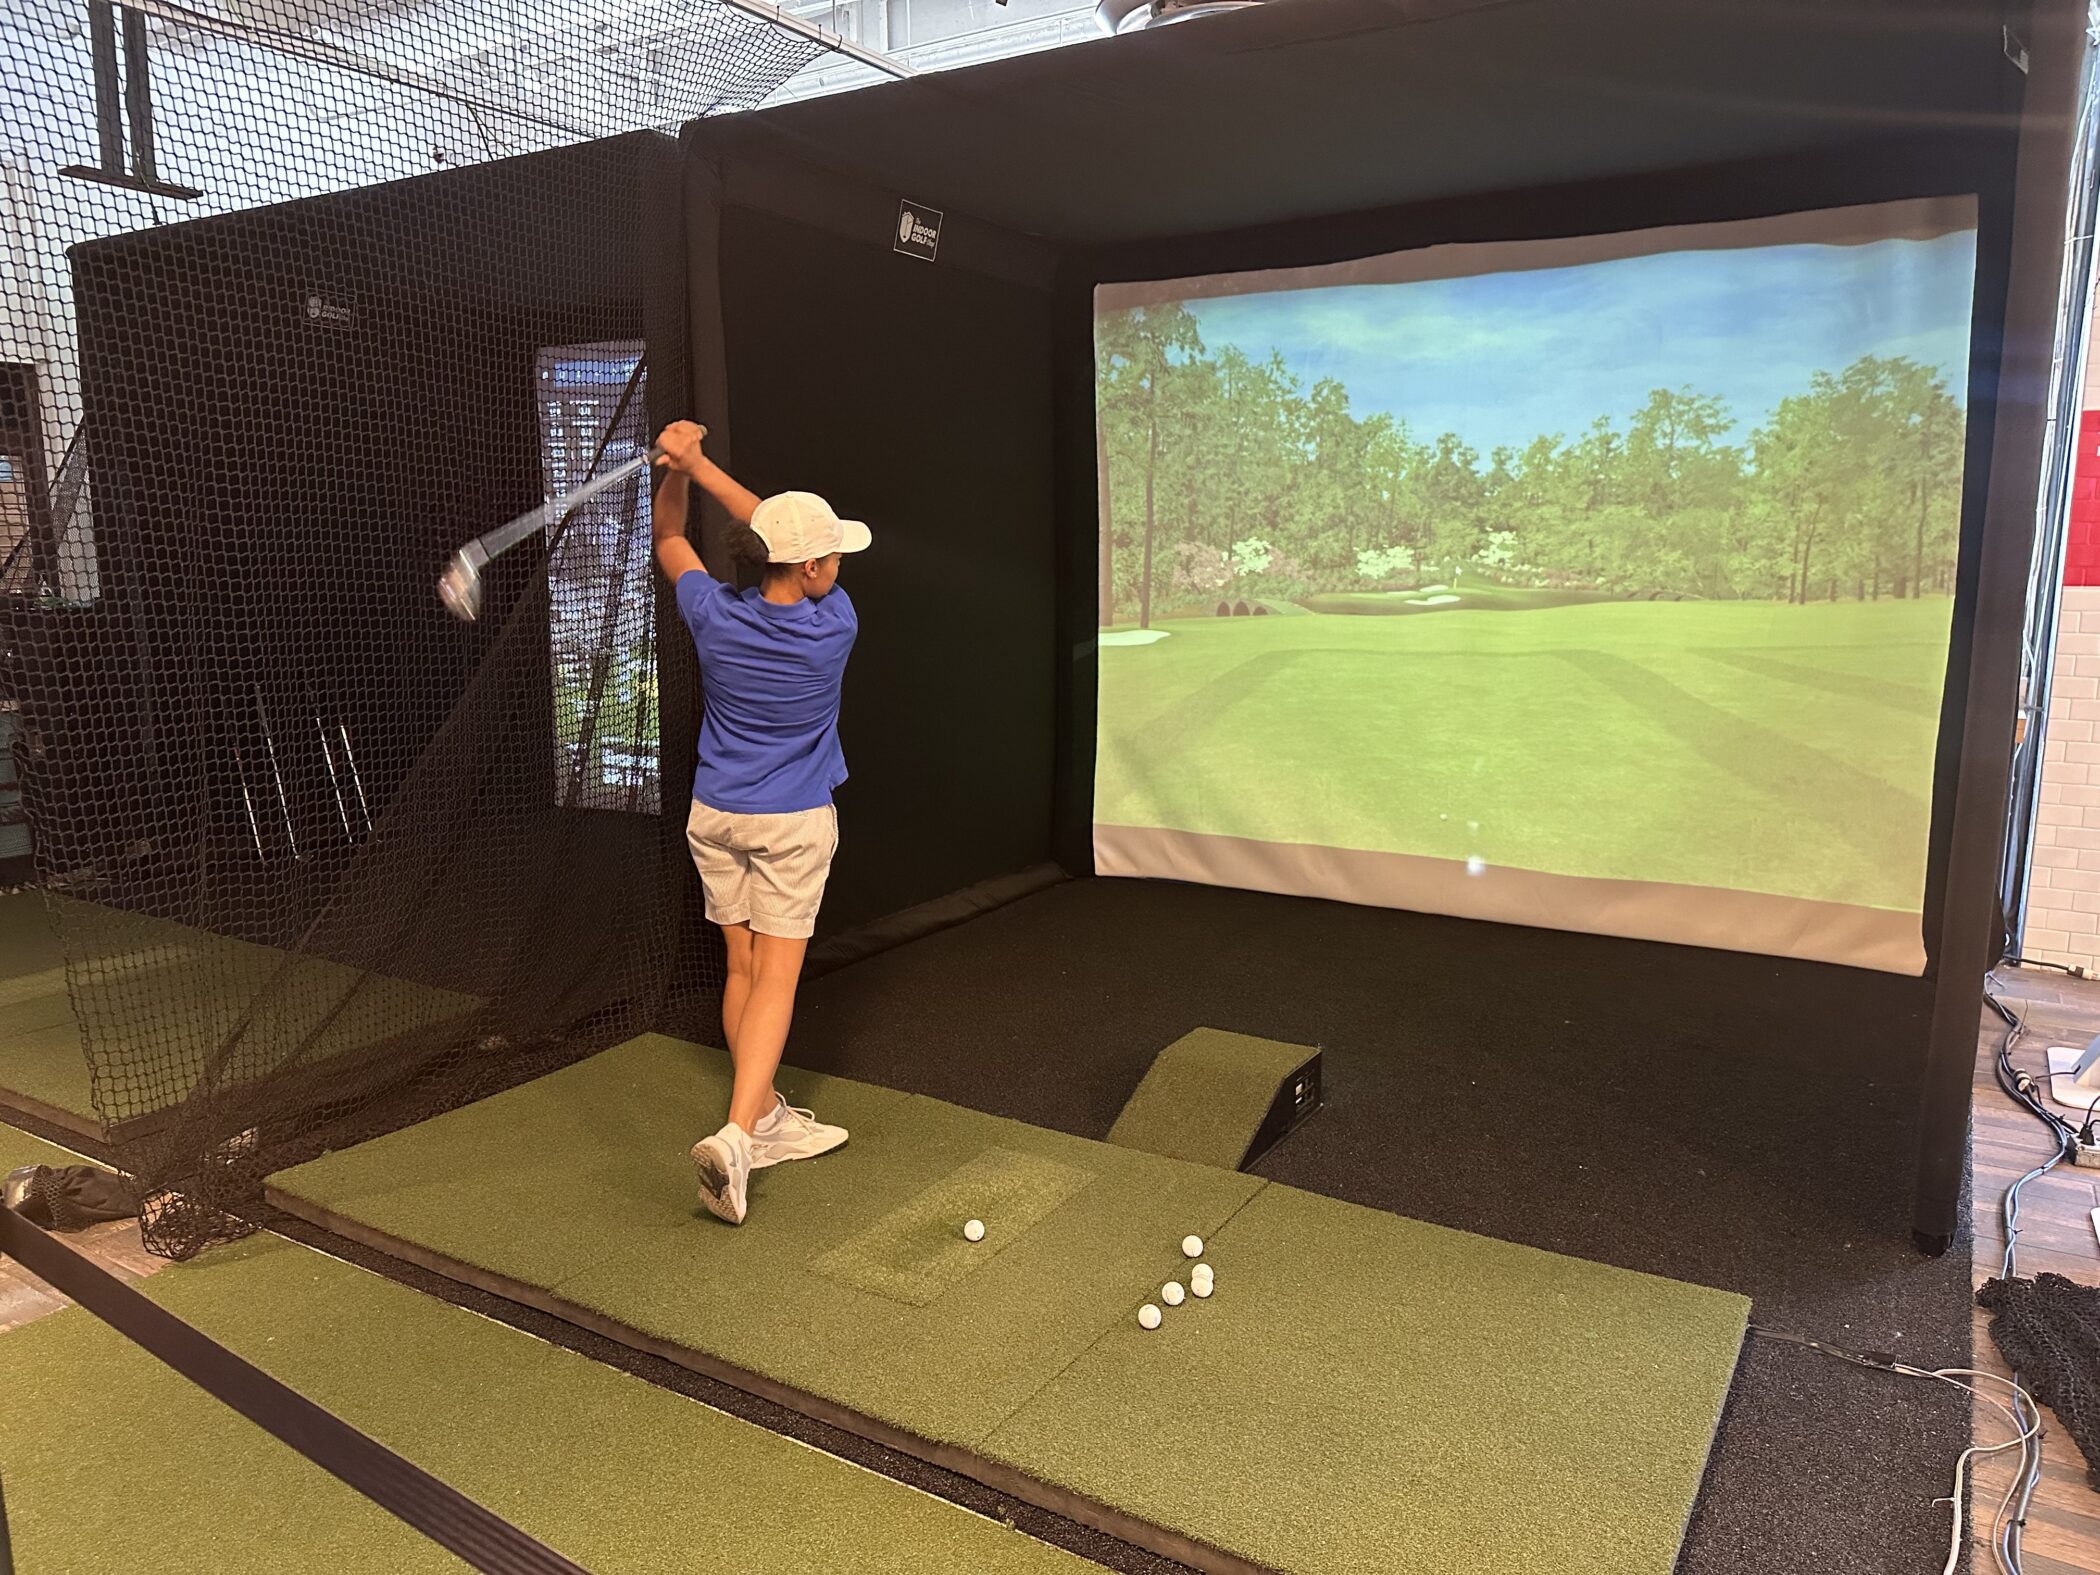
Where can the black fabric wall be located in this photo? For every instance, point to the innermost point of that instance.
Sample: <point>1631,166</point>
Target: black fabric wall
<point>918,397</point>
<point>276,490</point>
<point>1978,162</point>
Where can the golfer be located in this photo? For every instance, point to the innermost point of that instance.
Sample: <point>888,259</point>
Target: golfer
<point>763,828</point>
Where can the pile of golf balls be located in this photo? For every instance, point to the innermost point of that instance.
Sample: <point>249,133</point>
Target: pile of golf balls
<point>1201,1283</point>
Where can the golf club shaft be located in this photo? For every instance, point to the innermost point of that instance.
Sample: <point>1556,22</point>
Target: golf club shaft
<point>493,544</point>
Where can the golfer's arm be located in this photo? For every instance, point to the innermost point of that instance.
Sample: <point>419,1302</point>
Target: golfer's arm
<point>674,554</point>
<point>740,501</point>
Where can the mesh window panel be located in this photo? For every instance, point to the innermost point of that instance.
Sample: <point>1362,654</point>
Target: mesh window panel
<point>285,275</point>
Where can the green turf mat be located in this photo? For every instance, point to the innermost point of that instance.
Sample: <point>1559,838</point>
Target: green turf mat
<point>114,1462</point>
<point>49,1009</point>
<point>1204,1096</point>
<point>1585,1396</point>
<point>48,1066</point>
<point>40,1054</point>
<point>579,1183</point>
<point>199,986</point>
<point>1472,1405</point>
<point>915,1252</point>
<point>29,941</point>
<point>19,1148</point>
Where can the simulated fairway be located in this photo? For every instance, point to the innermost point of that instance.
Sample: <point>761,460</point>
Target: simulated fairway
<point>1364,1394</point>
<point>1747,745</point>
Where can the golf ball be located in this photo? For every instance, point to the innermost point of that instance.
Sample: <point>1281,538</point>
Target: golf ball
<point>1171,1293</point>
<point>1203,1285</point>
<point>1148,1316</point>
<point>1192,1246</point>
<point>974,1230</point>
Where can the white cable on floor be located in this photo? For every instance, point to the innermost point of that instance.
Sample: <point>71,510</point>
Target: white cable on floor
<point>2023,1435</point>
<point>2026,1434</point>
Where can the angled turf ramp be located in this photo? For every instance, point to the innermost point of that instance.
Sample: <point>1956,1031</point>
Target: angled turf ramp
<point>1364,1392</point>
<point>617,1474</point>
<point>1218,1098</point>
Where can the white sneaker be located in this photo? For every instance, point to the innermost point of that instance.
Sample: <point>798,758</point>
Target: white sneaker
<point>787,1132</point>
<point>723,1164</point>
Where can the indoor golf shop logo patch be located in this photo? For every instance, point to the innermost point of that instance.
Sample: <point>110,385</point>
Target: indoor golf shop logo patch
<point>327,309</point>
<point>918,230</point>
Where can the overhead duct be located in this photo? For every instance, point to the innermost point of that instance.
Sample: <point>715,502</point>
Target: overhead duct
<point>1132,16</point>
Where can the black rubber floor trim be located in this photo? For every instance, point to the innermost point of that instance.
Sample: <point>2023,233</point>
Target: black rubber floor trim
<point>396,1484</point>
<point>1045,1526</point>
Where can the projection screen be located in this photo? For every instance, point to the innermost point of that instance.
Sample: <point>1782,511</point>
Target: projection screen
<point>1601,584</point>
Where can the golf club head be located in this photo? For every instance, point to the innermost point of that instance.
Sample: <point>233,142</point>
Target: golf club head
<point>459,588</point>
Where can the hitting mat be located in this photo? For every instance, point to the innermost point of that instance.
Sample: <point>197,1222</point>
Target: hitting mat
<point>1204,1096</point>
<point>1363,1392</point>
<point>614,1472</point>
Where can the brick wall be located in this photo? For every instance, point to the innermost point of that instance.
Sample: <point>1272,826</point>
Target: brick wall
<point>2063,892</point>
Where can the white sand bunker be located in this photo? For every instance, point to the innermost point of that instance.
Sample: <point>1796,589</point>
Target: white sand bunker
<point>1134,637</point>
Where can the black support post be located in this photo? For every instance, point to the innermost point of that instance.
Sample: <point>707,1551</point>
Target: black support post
<point>1968,925</point>
<point>117,107</point>
<point>109,127</point>
<point>138,96</point>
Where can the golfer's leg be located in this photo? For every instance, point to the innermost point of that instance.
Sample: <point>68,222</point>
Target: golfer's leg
<point>762,1031</point>
<point>736,989</point>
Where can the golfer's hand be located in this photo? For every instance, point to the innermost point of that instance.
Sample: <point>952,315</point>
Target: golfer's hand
<point>680,442</point>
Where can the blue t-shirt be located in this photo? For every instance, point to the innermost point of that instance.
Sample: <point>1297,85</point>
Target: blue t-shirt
<point>770,676</point>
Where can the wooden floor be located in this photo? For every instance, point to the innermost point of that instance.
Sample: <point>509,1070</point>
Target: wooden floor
<point>116,1246</point>
<point>2056,1234</point>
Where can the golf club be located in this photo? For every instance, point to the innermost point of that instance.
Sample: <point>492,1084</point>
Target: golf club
<point>460,586</point>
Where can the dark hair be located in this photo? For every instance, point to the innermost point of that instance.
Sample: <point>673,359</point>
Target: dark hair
<point>747,549</point>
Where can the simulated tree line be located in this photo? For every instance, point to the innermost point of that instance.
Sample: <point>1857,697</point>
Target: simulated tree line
<point>1223,474</point>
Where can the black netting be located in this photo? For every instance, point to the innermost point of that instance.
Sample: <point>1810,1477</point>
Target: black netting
<point>2048,1330</point>
<point>305,296</point>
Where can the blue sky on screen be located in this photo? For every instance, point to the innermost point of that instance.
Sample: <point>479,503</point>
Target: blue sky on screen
<point>1506,357</point>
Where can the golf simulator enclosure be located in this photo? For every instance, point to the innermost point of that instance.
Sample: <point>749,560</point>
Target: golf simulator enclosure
<point>1593,556</point>
<point>1424,465</point>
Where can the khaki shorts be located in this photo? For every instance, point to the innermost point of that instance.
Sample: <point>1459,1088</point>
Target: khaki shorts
<point>767,871</point>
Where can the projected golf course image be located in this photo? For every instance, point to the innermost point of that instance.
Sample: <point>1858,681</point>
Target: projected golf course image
<point>1636,570</point>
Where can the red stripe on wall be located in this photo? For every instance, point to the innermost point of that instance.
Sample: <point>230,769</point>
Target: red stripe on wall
<point>2082,549</point>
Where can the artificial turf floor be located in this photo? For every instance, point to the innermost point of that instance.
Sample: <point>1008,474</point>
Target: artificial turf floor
<point>1744,745</point>
<point>116,1462</point>
<point>1399,1396</point>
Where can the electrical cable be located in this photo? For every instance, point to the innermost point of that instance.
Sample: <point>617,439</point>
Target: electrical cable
<point>2023,1413</point>
<point>2023,1088</point>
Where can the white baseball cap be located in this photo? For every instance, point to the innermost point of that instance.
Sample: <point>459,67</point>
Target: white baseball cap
<point>798,527</point>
